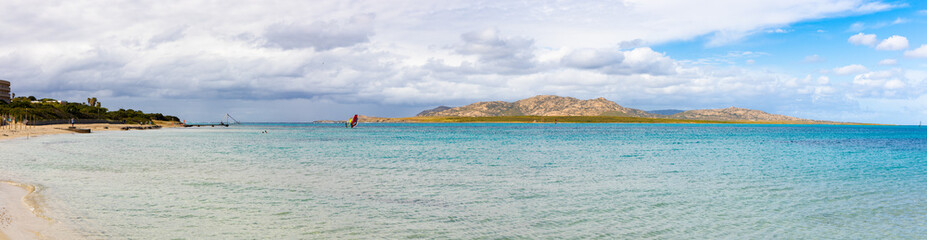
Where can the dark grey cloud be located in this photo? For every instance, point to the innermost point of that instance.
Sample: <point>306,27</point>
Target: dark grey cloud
<point>498,54</point>
<point>169,35</point>
<point>320,35</point>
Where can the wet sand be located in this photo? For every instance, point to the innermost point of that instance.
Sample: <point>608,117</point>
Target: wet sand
<point>19,218</point>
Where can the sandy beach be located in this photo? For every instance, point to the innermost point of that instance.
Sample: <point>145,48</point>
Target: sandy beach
<point>19,216</point>
<point>7,132</point>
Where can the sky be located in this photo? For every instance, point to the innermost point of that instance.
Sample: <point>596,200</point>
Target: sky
<point>298,61</point>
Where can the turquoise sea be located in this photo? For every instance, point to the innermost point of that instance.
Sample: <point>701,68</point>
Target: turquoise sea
<point>607,181</point>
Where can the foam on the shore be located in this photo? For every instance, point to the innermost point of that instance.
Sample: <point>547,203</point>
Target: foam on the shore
<point>20,216</point>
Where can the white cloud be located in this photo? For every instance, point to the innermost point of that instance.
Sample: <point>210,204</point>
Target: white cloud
<point>876,7</point>
<point>592,58</point>
<point>646,61</point>
<point>856,27</point>
<point>731,58</point>
<point>320,35</point>
<point>750,61</point>
<point>778,30</point>
<point>735,54</point>
<point>634,62</point>
<point>894,42</point>
<point>920,52</point>
<point>863,39</point>
<point>850,69</point>
<point>813,59</point>
<point>888,61</point>
<point>692,18</point>
<point>860,26</point>
<point>889,84</point>
<point>900,21</point>
<point>894,84</point>
<point>631,44</point>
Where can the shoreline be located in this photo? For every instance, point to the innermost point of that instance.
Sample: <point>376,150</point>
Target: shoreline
<point>579,119</point>
<point>399,120</point>
<point>20,216</point>
<point>35,131</point>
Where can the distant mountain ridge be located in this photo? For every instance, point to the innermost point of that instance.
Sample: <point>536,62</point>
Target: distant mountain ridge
<point>542,105</point>
<point>433,110</point>
<point>549,105</point>
<point>734,113</point>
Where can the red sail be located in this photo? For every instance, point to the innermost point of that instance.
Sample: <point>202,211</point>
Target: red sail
<point>354,121</point>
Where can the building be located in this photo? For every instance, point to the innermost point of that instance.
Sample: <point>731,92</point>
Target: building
<point>5,91</point>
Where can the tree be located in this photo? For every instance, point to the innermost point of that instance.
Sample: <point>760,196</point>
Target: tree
<point>72,109</point>
<point>92,101</point>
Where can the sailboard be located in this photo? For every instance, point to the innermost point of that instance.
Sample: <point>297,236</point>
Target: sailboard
<point>352,122</point>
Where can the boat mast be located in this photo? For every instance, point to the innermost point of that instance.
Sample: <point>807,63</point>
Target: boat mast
<point>229,118</point>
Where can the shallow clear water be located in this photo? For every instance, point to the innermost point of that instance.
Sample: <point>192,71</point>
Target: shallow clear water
<point>483,181</point>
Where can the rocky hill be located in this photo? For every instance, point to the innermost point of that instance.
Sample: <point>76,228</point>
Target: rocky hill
<point>433,110</point>
<point>543,105</point>
<point>733,114</point>
<point>548,105</point>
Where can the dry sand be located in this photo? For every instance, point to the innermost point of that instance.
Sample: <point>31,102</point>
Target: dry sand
<point>10,132</point>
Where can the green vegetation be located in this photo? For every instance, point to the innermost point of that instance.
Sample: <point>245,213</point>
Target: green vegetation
<point>51,109</point>
<point>135,116</point>
<point>614,114</point>
<point>512,112</point>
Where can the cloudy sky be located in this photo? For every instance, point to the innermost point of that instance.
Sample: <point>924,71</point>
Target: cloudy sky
<point>843,60</point>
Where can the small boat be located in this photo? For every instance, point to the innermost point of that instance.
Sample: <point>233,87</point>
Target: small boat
<point>77,130</point>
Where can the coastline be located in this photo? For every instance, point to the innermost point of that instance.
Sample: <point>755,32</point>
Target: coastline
<point>20,216</point>
<point>35,131</point>
<point>578,119</point>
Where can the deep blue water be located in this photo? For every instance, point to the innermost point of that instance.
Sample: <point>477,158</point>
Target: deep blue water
<point>663,181</point>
